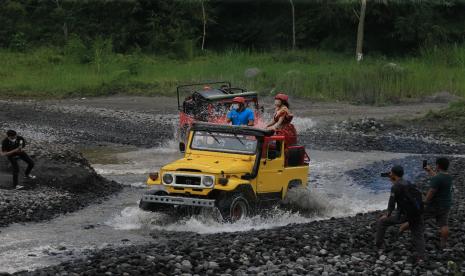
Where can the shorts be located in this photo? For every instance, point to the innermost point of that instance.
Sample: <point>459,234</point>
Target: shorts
<point>440,214</point>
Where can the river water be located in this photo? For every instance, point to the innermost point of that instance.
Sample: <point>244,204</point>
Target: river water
<point>118,220</point>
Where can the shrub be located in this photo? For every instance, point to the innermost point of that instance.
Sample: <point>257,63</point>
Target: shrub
<point>18,42</point>
<point>76,50</point>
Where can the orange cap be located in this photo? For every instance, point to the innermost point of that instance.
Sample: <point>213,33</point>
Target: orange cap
<point>239,100</point>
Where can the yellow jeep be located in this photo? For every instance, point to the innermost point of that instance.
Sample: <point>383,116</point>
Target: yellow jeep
<point>236,169</point>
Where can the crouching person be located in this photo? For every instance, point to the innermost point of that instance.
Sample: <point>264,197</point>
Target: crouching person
<point>405,205</point>
<point>13,148</point>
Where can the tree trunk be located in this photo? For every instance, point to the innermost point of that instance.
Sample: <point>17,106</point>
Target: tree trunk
<point>204,18</point>
<point>360,30</point>
<point>65,25</point>
<point>293,23</point>
<point>65,31</point>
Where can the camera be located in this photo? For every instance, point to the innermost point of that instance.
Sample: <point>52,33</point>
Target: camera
<point>385,174</point>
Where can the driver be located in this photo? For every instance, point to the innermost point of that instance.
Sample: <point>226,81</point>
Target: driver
<point>240,115</point>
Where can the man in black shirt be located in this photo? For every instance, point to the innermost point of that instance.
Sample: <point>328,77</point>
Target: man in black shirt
<point>400,215</point>
<point>13,148</point>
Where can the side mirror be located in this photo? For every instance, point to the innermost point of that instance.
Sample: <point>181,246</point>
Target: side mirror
<point>272,154</point>
<point>182,147</point>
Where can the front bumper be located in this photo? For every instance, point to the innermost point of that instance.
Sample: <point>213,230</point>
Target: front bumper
<point>178,200</point>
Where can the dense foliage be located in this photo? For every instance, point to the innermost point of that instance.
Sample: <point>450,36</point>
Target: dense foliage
<point>170,26</point>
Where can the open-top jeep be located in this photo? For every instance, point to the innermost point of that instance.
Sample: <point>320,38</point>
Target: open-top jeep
<point>236,169</point>
<point>210,102</point>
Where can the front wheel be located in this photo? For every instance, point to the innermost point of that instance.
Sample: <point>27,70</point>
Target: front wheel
<point>234,207</point>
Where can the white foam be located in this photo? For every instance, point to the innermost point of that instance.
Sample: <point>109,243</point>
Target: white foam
<point>303,124</point>
<point>131,218</point>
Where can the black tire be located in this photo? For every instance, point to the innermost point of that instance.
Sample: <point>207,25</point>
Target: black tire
<point>152,207</point>
<point>234,207</point>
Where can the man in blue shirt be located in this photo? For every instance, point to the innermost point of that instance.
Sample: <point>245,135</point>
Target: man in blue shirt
<point>239,115</point>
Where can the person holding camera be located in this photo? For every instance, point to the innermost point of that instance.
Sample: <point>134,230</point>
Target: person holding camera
<point>405,205</point>
<point>13,148</point>
<point>438,199</point>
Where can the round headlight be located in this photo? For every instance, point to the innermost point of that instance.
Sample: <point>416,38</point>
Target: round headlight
<point>207,181</point>
<point>167,178</point>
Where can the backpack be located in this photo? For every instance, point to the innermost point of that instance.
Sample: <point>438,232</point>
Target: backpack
<point>412,201</point>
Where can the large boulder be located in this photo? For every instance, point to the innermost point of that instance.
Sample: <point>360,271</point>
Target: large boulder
<point>65,182</point>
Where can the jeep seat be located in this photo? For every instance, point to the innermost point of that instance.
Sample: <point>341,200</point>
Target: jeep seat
<point>295,156</point>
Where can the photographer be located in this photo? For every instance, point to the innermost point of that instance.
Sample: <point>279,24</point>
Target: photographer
<point>13,148</point>
<point>403,195</point>
<point>438,198</point>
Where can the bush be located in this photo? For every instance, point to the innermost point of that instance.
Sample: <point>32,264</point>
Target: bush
<point>102,49</point>
<point>18,42</point>
<point>76,50</point>
<point>185,49</point>
<point>291,56</point>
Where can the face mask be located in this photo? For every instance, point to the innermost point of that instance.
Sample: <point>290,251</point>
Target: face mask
<point>12,140</point>
<point>235,106</point>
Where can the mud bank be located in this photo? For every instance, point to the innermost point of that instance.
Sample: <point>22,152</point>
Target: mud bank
<point>342,246</point>
<point>65,182</point>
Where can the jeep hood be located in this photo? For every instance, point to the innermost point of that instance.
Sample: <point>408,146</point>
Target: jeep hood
<point>212,164</point>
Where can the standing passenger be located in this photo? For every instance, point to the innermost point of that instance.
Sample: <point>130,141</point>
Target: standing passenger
<point>282,119</point>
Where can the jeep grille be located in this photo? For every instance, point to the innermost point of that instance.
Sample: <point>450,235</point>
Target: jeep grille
<point>188,180</point>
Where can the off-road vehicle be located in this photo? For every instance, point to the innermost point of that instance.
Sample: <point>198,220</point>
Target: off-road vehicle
<point>210,102</point>
<point>236,169</point>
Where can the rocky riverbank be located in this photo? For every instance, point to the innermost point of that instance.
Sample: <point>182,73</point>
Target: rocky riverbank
<point>342,246</point>
<point>65,182</point>
<point>82,125</point>
<point>381,135</point>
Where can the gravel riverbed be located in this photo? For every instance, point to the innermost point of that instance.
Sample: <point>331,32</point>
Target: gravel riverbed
<point>342,246</point>
<point>339,246</point>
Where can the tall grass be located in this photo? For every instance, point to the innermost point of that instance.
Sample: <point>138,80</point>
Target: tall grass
<point>49,72</point>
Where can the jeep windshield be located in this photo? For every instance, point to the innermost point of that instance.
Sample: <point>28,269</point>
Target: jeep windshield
<point>224,142</point>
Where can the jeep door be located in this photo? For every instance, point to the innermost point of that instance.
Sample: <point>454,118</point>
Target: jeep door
<point>271,175</point>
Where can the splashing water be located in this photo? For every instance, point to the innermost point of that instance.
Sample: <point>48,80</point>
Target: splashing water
<point>303,124</point>
<point>205,223</point>
<point>331,193</point>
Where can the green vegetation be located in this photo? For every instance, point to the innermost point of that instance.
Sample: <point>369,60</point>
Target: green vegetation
<point>449,121</point>
<point>77,70</point>
<point>392,27</point>
<point>455,112</point>
<point>83,48</point>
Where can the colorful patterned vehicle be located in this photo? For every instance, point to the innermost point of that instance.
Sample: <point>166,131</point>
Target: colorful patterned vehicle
<point>210,102</point>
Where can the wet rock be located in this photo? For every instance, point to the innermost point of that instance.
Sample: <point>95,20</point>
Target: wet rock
<point>251,72</point>
<point>186,266</point>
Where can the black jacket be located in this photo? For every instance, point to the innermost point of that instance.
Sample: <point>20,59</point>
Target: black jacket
<point>397,193</point>
<point>8,145</point>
